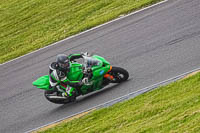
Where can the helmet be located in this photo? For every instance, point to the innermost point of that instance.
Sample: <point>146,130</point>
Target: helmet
<point>63,62</point>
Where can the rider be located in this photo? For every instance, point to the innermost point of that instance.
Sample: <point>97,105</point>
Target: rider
<point>58,73</point>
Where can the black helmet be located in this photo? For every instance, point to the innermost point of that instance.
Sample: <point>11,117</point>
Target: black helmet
<point>63,62</point>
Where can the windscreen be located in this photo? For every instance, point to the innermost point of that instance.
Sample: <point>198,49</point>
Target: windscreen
<point>90,61</point>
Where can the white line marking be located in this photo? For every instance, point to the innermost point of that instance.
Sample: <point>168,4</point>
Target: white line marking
<point>89,30</point>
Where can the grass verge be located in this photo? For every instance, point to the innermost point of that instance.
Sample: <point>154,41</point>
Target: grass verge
<point>27,25</point>
<point>171,108</point>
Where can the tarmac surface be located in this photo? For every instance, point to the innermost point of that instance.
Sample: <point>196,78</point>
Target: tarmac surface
<point>153,45</point>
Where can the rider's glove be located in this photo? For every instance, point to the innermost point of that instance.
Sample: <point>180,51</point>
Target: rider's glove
<point>85,54</point>
<point>89,70</point>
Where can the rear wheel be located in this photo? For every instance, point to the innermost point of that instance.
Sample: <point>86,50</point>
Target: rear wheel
<point>53,97</point>
<point>119,74</point>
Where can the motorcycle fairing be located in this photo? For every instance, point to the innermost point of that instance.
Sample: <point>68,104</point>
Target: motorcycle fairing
<point>76,74</point>
<point>42,83</point>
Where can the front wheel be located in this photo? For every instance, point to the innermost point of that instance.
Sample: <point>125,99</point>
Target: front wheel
<point>119,74</point>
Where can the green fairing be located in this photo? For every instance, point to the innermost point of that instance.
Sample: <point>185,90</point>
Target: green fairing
<point>42,83</point>
<point>99,71</point>
<point>76,75</point>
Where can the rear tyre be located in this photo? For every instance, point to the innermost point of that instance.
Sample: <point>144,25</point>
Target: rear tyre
<point>48,93</point>
<point>119,74</point>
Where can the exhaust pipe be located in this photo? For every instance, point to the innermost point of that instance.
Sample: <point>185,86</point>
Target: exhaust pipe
<point>57,97</point>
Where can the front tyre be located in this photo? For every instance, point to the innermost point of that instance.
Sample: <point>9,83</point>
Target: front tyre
<point>119,74</point>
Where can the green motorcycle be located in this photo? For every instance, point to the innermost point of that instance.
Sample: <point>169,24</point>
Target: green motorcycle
<point>99,72</point>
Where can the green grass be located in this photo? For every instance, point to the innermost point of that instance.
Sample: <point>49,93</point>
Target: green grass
<point>174,108</point>
<point>27,25</point>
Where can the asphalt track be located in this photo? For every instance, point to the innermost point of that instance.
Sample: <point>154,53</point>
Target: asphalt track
<point>153,45</point>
